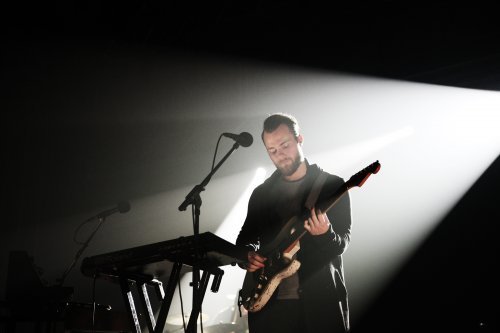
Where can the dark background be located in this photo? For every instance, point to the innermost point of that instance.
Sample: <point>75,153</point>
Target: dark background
<point>443,42</point>
<point>440,42</point>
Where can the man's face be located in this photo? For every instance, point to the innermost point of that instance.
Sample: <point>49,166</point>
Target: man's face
<point>284,149</point>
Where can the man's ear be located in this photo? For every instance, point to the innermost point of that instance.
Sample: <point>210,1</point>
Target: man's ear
<point>300,139</point>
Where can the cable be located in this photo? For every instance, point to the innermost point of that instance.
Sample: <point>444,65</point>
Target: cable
<point>215,153</point>
<point>78,229</point>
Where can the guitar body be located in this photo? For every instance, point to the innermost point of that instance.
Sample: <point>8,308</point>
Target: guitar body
<point>258,287</point>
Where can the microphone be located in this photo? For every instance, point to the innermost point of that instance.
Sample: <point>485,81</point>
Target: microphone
<point>122,207</point>
<point>244,139</point>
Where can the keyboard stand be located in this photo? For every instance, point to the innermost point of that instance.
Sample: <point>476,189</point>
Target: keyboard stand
<point>143,281</point>
<point>205,252</point>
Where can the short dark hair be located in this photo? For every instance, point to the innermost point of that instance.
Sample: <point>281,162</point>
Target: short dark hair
<point>273,121</point>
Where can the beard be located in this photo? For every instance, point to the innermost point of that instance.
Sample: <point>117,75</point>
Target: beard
<point>289,169</point>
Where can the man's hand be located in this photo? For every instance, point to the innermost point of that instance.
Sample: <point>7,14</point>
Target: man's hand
<point>255,261</point>
<point>318,223</point>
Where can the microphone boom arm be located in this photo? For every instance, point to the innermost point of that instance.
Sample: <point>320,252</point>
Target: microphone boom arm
<point>195,192</point>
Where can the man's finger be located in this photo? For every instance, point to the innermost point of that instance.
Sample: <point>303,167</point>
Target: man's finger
<point>313,213</point>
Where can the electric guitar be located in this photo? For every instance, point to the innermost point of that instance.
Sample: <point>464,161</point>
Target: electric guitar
<point>259,286</point>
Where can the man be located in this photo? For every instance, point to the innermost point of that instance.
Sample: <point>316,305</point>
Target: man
<point>314,299</point>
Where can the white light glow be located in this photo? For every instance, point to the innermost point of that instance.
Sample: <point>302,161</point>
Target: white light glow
<point>351,156</point>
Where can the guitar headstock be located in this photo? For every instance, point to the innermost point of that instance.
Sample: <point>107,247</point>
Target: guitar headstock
<point>360,178</point>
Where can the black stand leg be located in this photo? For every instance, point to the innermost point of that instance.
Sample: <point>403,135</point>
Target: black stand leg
<point>129,301</point>
<point>200,294</point>
<point>146,305</point>
<point>167,300</point>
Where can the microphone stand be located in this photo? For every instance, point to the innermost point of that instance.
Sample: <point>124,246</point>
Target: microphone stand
<point>193,198</point>
<point>80,251</point>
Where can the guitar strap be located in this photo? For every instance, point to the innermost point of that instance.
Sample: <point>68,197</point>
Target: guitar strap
<point>310,201</point>
<point>315,190</point>
<point>309,204</point>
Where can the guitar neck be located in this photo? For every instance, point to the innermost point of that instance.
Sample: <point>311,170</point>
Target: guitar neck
<point>298,224</point>
<point>325,205</point>
<point>285,240</point>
